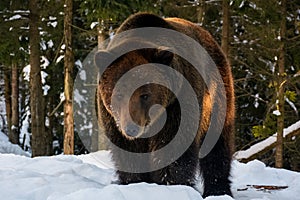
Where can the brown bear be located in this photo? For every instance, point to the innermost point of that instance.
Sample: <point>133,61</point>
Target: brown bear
<point>126,113</point>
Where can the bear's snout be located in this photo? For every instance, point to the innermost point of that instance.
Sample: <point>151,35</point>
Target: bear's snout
<point>132,130</point>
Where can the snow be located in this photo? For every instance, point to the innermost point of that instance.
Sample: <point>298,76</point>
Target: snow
<point>62,96</point>
<point>43,45</point>
<point>21,11</point>
<point>93,24</point>
<point>53,24</point>
<point>256,103</point>
<point>78,63</point>
<point>91,176</point>
<point>52,18</point>
<point>45,88</point>
<point>50,43</point>
<point>25,127</point>
<point>44,64</point>
<point>292,105</point>
<point>59,59</point>
<point>15,17</point>
<point>7,147</point>
<point>256,173</point>
<point>26,72</point>
<point>265,143</point>
<point>78,98</point>
<point>276,112</point>
<point>242,4</point>
<point>82,75</point>
<point>3,137</point>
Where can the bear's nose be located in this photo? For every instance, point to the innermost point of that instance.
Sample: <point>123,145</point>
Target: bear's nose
<point>132,130</point>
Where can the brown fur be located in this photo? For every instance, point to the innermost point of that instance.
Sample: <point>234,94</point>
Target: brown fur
<point>215,167</point>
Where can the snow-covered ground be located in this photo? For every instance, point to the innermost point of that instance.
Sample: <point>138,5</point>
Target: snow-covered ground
<point>90,177</point>
<point>7,147</point>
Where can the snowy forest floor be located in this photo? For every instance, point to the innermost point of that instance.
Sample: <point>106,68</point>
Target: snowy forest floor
<point>90,177</point>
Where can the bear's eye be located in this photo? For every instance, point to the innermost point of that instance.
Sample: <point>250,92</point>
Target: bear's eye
<point>144,97</point>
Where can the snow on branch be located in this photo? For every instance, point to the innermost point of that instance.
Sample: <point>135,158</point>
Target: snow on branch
<point>267,144</point>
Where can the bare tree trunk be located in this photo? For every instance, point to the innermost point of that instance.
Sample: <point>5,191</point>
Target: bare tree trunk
<point>98,139</point>
<point>281,89</point>
<point>49,142</point>
<point>51,117</point>
<point>201,12</point>
<point>7,95</point>
<point>14,134</point>
<point>68,82</point>
<point>101,33</point>
<point>39,140</point>
<point>225,27</point>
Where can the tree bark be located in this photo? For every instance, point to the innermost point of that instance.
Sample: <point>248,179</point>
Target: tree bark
<point>39,140</point>
<point>14,134</point>
<point>201,12</point>
<point>68,81</point>
<point>7,96</point>
<point>98,139</point>
<point>101,34</point>
<point>225,27</point>
<point>281,88</point>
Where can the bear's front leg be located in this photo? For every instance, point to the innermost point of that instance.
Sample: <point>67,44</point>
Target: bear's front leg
<point>130,161</point>
<point>215,170</point>
<point>180,172</point>
<point>127,178</point>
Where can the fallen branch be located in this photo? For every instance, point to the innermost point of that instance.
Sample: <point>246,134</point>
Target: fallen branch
<point>267,144</point>
<point>263,187</point>
<point>56,108</point>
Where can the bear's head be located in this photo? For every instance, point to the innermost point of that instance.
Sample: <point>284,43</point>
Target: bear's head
<point>125,99</point>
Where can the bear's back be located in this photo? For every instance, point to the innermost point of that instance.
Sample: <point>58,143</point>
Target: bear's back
<point>141,20</point>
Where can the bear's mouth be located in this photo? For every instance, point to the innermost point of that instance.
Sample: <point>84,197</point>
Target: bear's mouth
<point>132,130</point>
<point>147,131</point>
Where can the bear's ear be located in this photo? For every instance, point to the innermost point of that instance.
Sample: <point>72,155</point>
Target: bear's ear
<point>163,55</point>
<point>103,59</point>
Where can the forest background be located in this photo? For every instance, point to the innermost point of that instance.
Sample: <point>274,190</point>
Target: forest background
<point>44,42</point>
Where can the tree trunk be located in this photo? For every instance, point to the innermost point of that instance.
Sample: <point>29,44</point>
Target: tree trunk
<point>225,27</point>
<point>280,89</point>
<point>68,81</point>
<point>98,139</point>
<point>14,134</point>
<point>201,12</point>
<point>39,140</point>
<point>7,95</point>
<point>101,33</point>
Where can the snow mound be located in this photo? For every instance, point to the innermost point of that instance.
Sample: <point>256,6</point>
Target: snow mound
<point>136,192</point>
<point>91,176</point>
<point>255,173</point>
<point>7,147</point>
<point>48,177</point>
